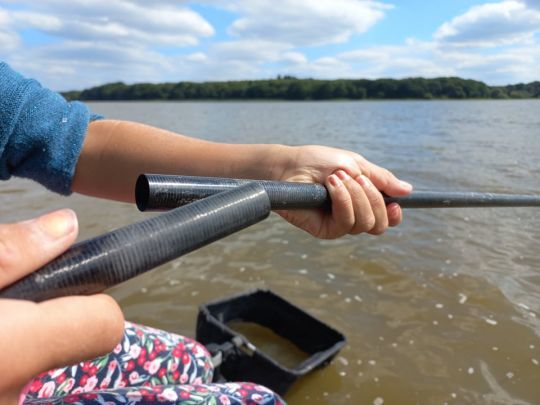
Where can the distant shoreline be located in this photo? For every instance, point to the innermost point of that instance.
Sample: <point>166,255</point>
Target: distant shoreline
<point>293,89</point>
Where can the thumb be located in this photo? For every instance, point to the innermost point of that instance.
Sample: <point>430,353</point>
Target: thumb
<point>25,246</point>
<point>385,181</point>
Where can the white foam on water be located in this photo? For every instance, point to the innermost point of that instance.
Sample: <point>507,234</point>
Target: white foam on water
<point>343,360</point>
<point>378,401</point>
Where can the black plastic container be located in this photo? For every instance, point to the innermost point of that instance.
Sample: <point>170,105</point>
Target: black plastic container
<point>241,360</point>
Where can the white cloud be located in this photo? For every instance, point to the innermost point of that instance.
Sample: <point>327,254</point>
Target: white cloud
<point>9,39</point>
<point>255,51</point>
<point>119,20</point>
<point>532,3</point>
<point>79,64</point>
<point>492,42</point>
<point>235,60</point>
<point>97,41</point>
<point>491,24</point>
<point>296,58</point>
<point>197,57</point>
<point>510,65</point>
<point>411,59</point>
<point>305,22</point>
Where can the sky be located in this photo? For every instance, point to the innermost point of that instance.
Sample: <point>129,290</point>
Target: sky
<point>76,44</point>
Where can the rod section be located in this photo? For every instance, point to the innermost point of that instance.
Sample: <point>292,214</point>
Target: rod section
<point>156,192</point>
<point>94,265</point>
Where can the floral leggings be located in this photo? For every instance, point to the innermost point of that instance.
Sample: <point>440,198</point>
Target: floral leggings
<point>149,366</point>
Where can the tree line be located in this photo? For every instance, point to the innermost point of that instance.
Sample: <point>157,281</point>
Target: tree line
<point>291,88</point>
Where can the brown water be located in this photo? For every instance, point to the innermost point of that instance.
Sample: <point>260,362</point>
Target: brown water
<point>283,351</point>
<point>443,309</point>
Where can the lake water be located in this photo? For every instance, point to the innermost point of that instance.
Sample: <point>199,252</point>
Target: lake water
<point>442,309</point>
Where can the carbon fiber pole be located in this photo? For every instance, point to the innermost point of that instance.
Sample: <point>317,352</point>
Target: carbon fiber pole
<point>155,192</point>
<point>97,264</point>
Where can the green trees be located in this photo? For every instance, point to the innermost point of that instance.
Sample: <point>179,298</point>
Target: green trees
<point>291,88</point>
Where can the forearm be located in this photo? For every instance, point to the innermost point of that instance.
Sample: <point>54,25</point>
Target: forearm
<point>116,152</point>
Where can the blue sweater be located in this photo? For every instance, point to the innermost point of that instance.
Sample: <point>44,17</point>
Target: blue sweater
<point>41,134</point>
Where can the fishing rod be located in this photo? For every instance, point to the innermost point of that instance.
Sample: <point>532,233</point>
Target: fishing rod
<point>158,192</point>
<point>94,265</point>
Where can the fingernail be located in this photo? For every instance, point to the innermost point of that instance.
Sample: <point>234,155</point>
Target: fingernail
<point>342,175</point>
<point>58,224</point>
<point>405,185</point>
<point>392,208</point>
<point>335,181</point>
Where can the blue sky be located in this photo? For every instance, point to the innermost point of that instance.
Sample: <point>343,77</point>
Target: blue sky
<point>70,44</point>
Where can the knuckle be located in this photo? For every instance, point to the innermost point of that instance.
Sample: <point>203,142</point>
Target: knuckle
<point>387,173</point>
<point>377,231</point>
<point>366,223</point>
<point>341,198</point>
<point>380,226</point>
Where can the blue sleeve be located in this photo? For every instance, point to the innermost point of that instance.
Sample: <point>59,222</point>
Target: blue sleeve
<point>41,134</point>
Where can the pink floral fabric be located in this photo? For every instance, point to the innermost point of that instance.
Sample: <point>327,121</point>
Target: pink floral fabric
<point>148,366</point>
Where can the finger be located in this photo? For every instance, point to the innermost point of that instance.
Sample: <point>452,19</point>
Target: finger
<point>364,219</point>
<point>378,206</point>
<point>395,214</point>
<point>26,246</point>
<point>58,333</point>
<point>384,180</point>
<point>343,218</point>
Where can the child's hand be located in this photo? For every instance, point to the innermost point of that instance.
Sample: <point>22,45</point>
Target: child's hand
<point>355,186</point>
<point>54,333</point>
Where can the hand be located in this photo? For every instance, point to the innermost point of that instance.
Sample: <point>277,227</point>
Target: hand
<point>38,337</point>
<point>355,186</point>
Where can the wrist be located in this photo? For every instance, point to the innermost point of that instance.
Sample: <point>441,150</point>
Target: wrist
<point>280,159</point>
<point>257,161</point>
